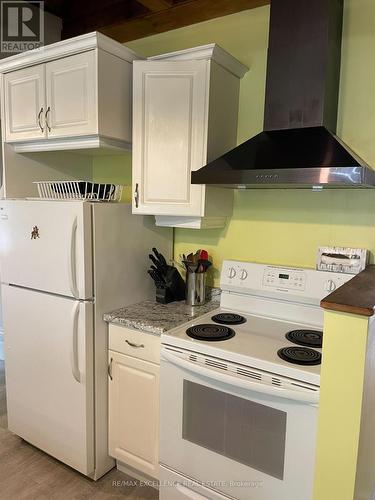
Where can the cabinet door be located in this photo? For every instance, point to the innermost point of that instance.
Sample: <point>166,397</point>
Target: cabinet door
<point>24,104</point>
<point>170,111</point>
<point>71,87</point>
<point>134,412</point>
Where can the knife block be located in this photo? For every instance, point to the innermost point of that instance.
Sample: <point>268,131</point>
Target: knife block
<point>174,288</point>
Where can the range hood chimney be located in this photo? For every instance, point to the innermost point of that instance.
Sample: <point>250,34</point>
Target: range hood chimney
<point>298,147</point>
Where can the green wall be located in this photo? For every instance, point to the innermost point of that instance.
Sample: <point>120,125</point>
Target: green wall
<point>282,226</point>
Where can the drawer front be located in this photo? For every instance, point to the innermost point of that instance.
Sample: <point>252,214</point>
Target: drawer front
<point>134,343</point>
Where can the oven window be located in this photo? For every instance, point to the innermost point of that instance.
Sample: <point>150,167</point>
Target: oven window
<point>250,433</point>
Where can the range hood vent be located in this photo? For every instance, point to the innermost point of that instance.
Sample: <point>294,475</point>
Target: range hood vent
<point>298,147</point>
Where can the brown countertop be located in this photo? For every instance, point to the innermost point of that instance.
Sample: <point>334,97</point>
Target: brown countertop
<point>357,296</point>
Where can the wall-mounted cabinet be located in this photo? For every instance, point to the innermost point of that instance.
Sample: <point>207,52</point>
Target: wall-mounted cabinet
<point>24,98</point>
<point>185,108</point>
<point>75,94</point>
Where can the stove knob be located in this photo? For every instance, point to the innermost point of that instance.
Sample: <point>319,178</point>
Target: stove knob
<point>243,274</point>
<point>232,273</point>
<point>329,286</point>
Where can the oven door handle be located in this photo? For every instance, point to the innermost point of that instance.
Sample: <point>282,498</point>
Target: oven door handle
<point>295,395</point>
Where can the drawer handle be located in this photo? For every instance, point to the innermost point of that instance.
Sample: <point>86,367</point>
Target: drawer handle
<point>134,345</point>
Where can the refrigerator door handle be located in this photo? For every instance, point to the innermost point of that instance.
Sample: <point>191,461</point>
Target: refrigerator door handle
<point>74,347</point>
<point>72,261</point>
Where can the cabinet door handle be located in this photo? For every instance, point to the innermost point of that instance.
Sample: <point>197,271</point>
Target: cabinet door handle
<point>136,196</point>
<point>39,115</point>
<point>46,118</point>
<point>110,369</point>
<point>134,345</point>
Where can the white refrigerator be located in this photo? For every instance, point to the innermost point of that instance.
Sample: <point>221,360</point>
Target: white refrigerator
<point>63,264</point>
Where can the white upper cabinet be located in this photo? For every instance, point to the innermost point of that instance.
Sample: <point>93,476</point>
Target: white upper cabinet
<point>25,97</point>
<point>185,108</point>
<point>72,96</point>
<point>169,135</point>
<point>75,94</point>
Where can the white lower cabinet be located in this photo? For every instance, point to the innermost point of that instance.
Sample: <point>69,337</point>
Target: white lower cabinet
<point>134,400</point>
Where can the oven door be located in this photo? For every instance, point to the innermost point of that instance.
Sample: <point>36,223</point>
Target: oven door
<point>227,427</point>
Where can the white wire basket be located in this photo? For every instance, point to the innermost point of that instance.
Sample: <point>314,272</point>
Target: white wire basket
<point>79,190</point>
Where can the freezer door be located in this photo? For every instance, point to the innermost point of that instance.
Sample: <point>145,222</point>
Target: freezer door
<point>49,374</point>
<point>46,245</point>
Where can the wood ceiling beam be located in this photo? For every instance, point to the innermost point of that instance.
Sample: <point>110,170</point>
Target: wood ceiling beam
<point>78,20</point>
<point>182,13</point>
<point>156,5</point>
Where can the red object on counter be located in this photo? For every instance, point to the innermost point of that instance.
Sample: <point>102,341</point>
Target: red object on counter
<point>203,255</point>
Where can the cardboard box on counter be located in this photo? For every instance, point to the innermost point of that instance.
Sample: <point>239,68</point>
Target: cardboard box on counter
<point>341,259</point>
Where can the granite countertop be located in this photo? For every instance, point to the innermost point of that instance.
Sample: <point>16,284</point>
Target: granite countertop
<point>156,318</point>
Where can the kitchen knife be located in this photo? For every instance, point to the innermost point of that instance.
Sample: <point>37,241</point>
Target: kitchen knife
<point>160,257</point>
<point>157,263</point>
<point>155,277</point>
<point>160,276</point>
<point>151,273</point>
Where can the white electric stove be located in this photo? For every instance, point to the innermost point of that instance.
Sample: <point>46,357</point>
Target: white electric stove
<point>240,388</point>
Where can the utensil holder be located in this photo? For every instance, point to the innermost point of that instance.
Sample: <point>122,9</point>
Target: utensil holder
<point>195,288</point>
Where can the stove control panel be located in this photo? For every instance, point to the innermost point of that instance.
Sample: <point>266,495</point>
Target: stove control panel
<point>304,285</point>
<point>284,278</point>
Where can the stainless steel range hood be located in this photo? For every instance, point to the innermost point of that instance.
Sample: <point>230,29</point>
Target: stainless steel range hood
<point>298,147</point>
